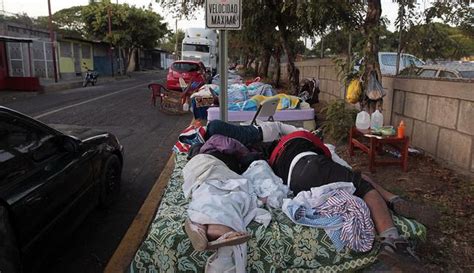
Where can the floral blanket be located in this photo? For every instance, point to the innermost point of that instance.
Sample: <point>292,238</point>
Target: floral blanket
<point>281,247</point>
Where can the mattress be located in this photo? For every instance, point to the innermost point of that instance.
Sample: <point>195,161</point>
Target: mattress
<point>282,115</point>
<point>281,247</point>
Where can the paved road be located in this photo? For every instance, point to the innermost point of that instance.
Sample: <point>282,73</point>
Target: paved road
<point>147,135</point>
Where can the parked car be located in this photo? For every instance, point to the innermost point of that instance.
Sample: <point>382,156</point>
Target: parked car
<point>448,71</point>
<point>189,71</point>
<point>49,182</point>
<point>388,62</point>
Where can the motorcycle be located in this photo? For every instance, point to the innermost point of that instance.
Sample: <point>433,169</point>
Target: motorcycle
<point>90,77</point>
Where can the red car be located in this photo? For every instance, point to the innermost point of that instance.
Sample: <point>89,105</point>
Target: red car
<point>188,70</point>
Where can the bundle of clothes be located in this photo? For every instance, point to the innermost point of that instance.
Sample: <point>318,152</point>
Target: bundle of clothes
<point>242,97</point>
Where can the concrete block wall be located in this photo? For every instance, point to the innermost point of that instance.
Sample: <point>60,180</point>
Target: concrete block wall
<point>438,114</point>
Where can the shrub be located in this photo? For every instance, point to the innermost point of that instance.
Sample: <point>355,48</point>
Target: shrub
<point>339,119</point>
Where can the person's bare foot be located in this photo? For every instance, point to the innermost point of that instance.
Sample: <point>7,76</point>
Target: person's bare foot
<point>214,231</point>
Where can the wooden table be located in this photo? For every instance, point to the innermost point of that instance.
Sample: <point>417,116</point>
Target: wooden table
<point>375,146</point>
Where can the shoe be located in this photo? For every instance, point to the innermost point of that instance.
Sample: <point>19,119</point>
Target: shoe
<point>229,239</point>
<point>426,215</point>
<point>319,133</point>
<point>198,237</point>
<point>397,253</point>
<point>197,234</point>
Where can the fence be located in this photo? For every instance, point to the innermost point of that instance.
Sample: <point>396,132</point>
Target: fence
<point>438,113</point>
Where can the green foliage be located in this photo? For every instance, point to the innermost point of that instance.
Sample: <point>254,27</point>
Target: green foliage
<point>339,118</point>
<point>66,21</point>
<point>346,72</point>
<point>169,42</point>
<point>438,41</point>
<point>132,27</point>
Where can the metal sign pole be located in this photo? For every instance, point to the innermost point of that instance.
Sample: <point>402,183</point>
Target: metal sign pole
<point>223,73</point>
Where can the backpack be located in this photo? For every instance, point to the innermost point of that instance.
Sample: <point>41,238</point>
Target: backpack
<point>280,148</point>
<point>309,91</point>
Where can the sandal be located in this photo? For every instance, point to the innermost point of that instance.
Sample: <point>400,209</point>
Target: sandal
<point>198,237</point>
<point>197,234</point>
<point>229,239</point>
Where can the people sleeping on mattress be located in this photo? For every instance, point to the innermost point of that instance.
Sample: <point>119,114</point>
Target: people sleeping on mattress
<point>264,131</point>
<point>225,199</point>
<point>222,203</point>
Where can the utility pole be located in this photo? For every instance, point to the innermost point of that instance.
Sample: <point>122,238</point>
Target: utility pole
<point>53,47</point>
<point>399,49</point>
<point>176,38</point>
<point>109,13</point>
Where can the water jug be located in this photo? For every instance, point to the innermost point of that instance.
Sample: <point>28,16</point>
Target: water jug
<point>376,120</point>
<point>363,120</point>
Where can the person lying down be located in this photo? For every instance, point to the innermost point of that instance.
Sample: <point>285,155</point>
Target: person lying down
<point>303,162</point>
<point>223,203</point>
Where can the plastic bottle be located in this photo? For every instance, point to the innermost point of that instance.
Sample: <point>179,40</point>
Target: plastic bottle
<point>376,120</point>
<point>401,130</point>
<point>363,120</point>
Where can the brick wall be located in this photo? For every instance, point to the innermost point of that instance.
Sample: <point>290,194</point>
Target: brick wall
<point>438,114</point>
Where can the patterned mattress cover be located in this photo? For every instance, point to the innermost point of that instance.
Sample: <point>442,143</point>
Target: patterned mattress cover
<point>281,247</point>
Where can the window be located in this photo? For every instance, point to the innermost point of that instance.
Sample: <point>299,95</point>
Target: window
<point>198,48</point>
<point>467,74</point>
<point>22,138</point>
<point>185,67</point>
<point>65,49</point>
<point>12,165</point>
<point>389,59</point>
<point>446,74</point>
<point>86,51</point>
<point>428,73</point>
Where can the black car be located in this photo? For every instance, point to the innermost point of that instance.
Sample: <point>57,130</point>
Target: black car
<point>49,181</point>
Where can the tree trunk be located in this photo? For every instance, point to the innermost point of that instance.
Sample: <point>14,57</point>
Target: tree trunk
<point>293,72</point>
<point>267,54</point>
<point>257,67</point>
<point>371,50</point>
<point>251,60</point>
<point>131,60</point>
<point>278,67</point>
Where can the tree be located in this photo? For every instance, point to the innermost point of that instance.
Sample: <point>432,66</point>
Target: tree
<point>66,21</point>
<point>439,41</point>
<point>169,42</point>
<point>133,27</point>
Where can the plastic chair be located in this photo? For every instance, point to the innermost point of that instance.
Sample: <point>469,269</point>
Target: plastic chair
<point>155,89</point>
<point>171,102</point>
<point>267,108</point>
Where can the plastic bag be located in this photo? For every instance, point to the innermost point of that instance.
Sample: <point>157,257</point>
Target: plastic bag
<point>374,90</point>
<point>266,184</point>
<point>354,90</point>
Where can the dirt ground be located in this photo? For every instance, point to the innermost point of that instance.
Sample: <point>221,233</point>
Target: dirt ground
<point>450,247</point>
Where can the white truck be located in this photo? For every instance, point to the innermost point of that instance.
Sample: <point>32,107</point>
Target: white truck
<point>200,44</point>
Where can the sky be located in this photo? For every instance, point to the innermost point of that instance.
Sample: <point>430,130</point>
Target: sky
<point>36,8</point>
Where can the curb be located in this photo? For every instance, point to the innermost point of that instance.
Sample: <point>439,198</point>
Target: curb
<point>131,241</point>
